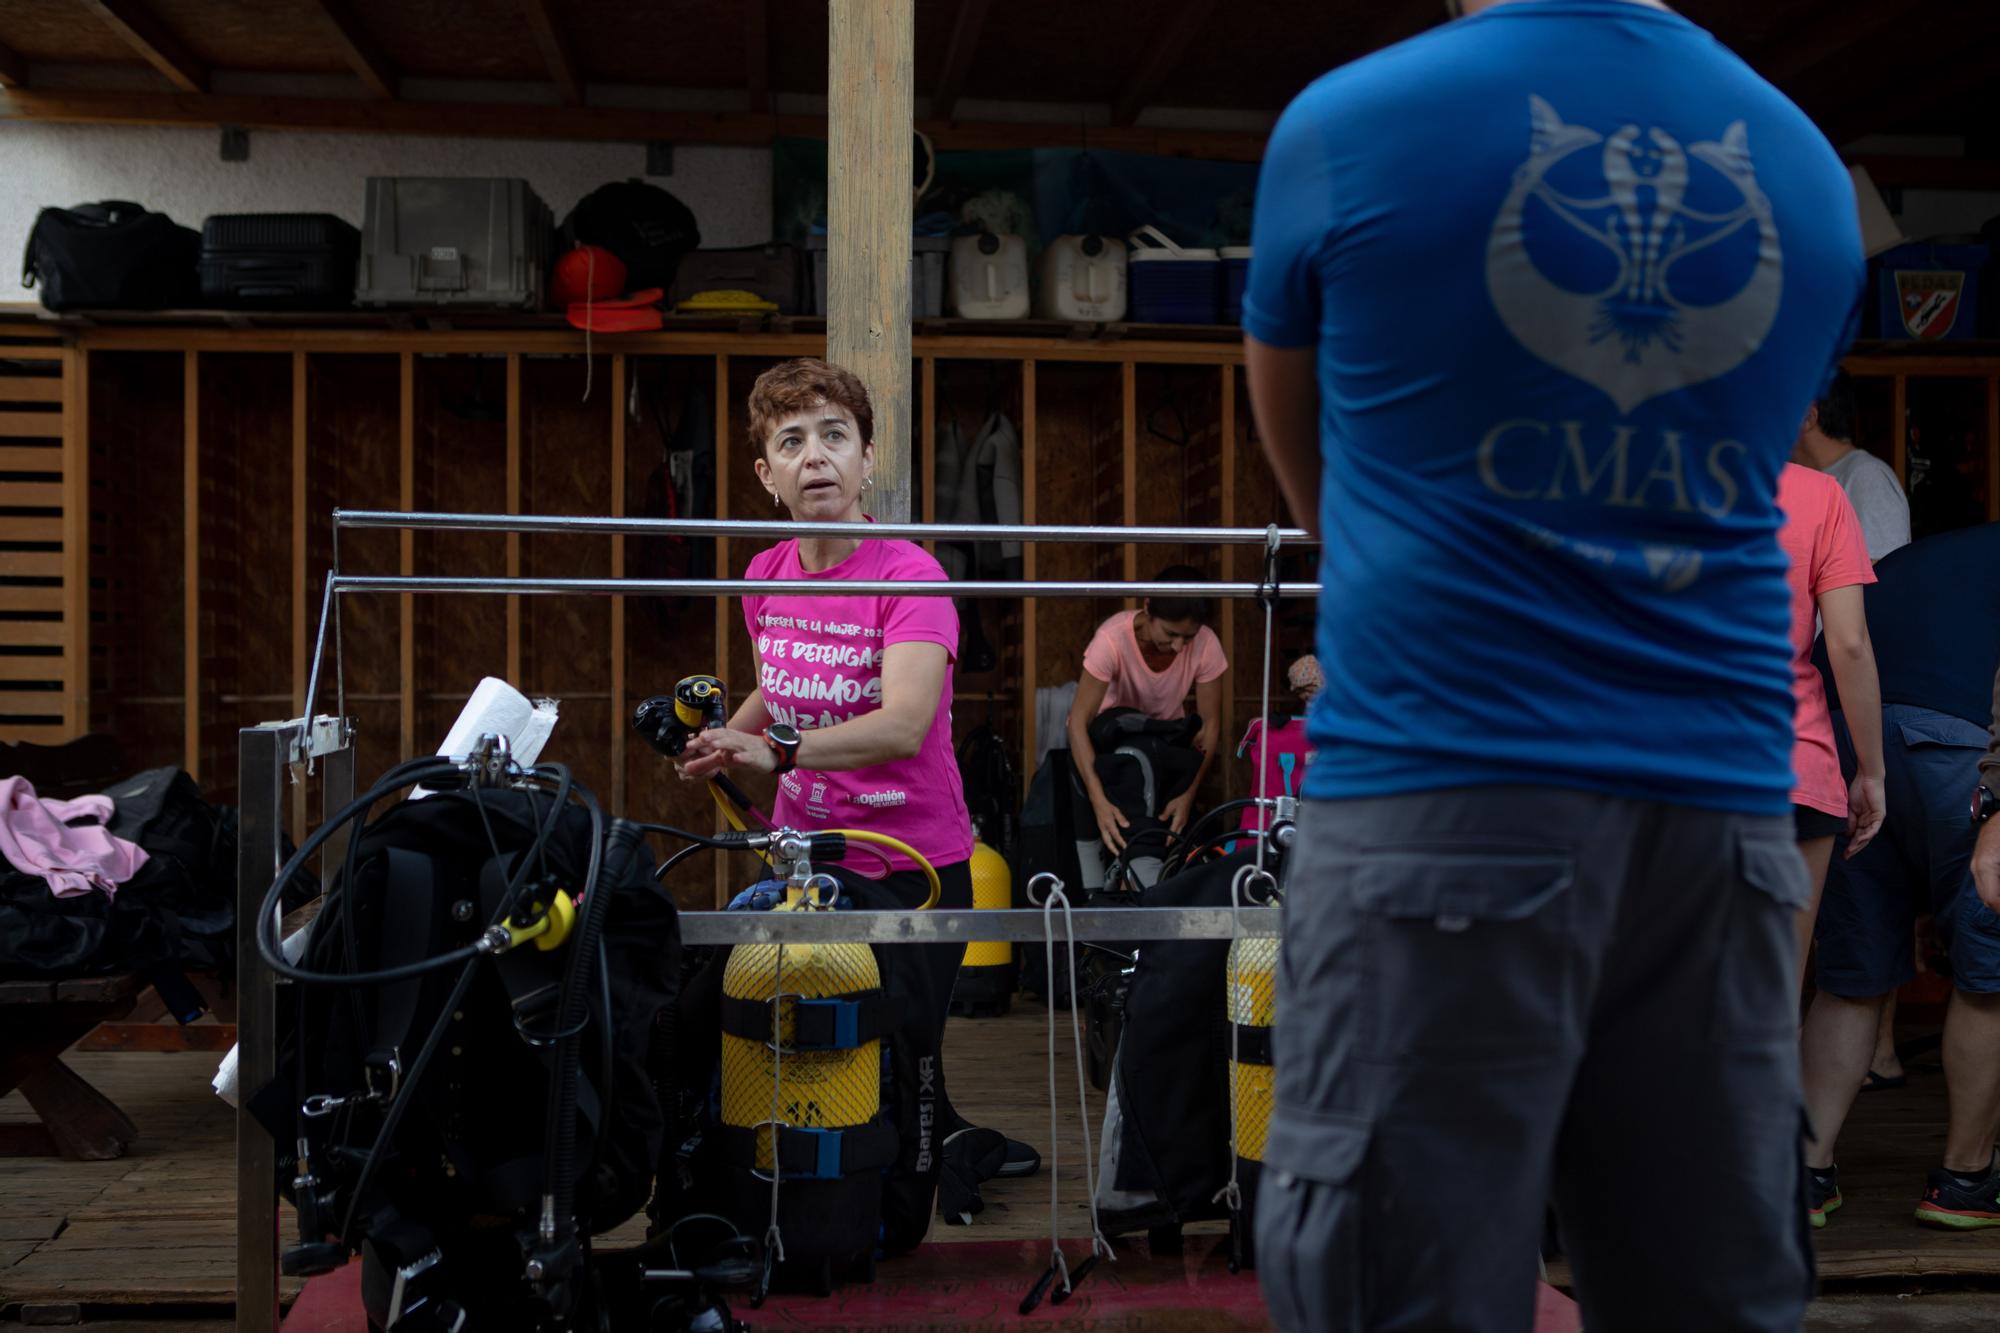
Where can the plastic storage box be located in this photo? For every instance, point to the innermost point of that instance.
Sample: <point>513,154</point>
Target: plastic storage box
<point>278,261</point>
<point>1170,284</point>
<point>1083,278</point>
<point>773,273</point>
<point>453,240</point>
<point>927,255</point>
<point>1930,293</point>
<point>989,277</point>
<point>1235,277</point>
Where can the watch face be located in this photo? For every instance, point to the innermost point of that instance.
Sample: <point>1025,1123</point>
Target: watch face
<point>784,733</point>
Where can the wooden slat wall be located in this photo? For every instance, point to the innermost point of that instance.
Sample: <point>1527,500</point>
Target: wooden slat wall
<point>383,408</point>
<point>44,541</point>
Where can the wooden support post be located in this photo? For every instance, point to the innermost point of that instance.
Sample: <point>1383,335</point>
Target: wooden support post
<point>301,646</point>
<point>1229,556</point>
<point>1900,402</point>
<point>191,558</point>
<point>1029,451</point>
<point>723,569</point>
<point>927,404</point>
<point>514,507</point>
<point>618,703</point>
<point>406,562</point>
<point>76,540</point>
<point>1128,391</point>
<point>870,54</point>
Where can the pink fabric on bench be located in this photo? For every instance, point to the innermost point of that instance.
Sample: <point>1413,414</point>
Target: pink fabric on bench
<point>36,840</point>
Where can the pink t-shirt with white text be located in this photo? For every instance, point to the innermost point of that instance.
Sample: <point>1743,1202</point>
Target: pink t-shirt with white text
<point>1822,539</point>
<point>819,663</point>
<point>1281,755</point>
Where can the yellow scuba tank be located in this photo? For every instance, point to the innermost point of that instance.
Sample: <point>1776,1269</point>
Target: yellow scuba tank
<point>823,1052</point>
<point>825,1083</point>
<point>985,984</point>
<point>1251,999</point>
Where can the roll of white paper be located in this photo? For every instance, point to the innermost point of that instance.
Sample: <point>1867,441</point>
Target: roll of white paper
<point>499,709</point>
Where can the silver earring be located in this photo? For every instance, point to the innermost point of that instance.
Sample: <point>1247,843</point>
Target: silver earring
<point>868,483</point>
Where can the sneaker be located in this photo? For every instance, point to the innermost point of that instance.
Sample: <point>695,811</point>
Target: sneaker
<point>1950,1202</point>
<point>1822,1194</point>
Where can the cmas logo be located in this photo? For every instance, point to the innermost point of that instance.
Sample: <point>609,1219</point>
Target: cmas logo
<point>1632,262</point>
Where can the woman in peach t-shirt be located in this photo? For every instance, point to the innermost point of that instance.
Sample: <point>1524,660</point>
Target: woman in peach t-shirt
<point>1151,660</point>
<point>1829,565</point>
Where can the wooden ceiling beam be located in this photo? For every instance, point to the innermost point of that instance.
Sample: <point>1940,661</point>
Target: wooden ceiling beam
<point>555,48</point>
<point>140,29</point>
<point>13,68</point>
<point>1162,57</point>
<point>757,53</point>
<point>1828,34</point>
<point>513,120</point>
<point>965,33</point>
<point>357,48</point>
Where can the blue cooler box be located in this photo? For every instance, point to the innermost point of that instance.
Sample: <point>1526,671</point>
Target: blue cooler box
<point>1235,277</point>
<point>1167,284</point>
<point>1929,293</point>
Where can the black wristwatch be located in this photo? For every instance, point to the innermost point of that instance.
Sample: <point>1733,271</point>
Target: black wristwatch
<point>1984,803</point>
<point>784,738</point>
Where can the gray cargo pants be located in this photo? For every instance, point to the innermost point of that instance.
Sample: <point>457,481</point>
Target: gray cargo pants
<point>1492,997</point>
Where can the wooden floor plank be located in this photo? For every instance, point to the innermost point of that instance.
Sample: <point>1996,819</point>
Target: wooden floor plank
<point>157,1227</point>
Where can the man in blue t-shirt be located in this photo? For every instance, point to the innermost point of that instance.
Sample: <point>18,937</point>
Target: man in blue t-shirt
<point>1537,304</point>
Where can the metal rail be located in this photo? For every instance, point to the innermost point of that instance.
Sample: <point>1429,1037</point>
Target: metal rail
<point>736,527</point>
<point>1018,924</point>
<point>498,583</point>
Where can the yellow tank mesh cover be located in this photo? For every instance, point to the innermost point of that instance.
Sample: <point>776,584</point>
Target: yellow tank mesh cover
<point>821,1089</point>
<point>1251,999</point>
<point>992,887</point>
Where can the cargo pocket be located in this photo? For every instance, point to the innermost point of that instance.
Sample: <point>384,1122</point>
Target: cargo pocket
<point>1311,1220</point>
<point>1467,948</point>
<point>1757,964</point>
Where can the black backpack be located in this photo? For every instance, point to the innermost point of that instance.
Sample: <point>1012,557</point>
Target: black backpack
<point>112,256</point>
<point>647,228</point>
<point>462,1174</point>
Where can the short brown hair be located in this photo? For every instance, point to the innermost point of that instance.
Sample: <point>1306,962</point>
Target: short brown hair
<point>794,386</point>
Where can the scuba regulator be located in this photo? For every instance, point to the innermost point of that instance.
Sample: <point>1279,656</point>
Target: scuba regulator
<point>667,721</point>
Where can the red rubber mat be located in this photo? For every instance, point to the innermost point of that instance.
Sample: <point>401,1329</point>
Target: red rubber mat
<point>975,1285</point>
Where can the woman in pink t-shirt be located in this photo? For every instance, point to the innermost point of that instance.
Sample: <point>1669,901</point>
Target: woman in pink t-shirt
<point>1151,660</point>
<point>1829,566</point>
<point>852,710</point>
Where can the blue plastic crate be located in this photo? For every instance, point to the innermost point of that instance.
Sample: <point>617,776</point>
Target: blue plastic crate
<point>1929,293</point>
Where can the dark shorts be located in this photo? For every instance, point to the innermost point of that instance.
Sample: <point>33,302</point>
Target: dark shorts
<point>1918,864</point>
<point>1811,823</point>
<point>1488,998</point>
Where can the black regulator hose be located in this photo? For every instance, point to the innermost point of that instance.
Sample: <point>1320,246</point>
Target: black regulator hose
<point>617,851</point>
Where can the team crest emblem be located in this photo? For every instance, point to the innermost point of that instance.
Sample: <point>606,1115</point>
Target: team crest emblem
<point>1669,269</point>
<point>1929,302</point>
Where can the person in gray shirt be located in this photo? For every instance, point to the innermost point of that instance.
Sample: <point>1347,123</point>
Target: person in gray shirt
<point>1826,442</point>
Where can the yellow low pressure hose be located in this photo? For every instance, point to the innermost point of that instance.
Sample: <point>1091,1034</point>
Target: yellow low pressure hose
<point>898,845</point>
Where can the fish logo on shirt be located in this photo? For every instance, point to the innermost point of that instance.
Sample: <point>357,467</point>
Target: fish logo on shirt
<point>1621,317</point>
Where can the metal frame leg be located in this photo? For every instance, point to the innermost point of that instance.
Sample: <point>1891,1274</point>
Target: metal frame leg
<point>262,752</point>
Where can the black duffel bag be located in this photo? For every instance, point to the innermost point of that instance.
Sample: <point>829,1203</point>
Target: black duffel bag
<point>112,256</point>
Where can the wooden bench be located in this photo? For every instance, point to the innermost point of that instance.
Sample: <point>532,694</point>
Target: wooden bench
<point>39,1020</point>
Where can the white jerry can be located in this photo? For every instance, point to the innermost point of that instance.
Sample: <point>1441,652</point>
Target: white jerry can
<point>1083,278</point>
<point>989,277</point>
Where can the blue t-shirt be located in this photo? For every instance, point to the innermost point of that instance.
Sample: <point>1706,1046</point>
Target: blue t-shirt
<point>1574,273</point>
